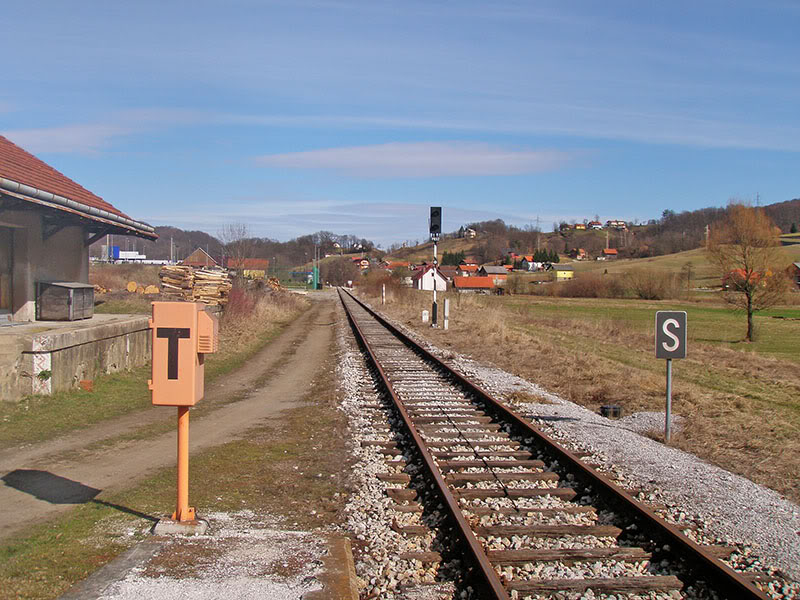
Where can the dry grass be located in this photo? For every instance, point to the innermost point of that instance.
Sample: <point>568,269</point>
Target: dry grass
<point>741,409</point>
<point>116,277</point>
<point>243,321</point>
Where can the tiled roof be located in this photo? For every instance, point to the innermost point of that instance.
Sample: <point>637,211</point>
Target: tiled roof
<point>22,167</point>
<point>609,250</point>
<point>470,268</point>
<point>493,270</point>
<point>486,283</point>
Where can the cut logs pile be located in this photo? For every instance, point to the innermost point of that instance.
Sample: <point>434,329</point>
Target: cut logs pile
<point>209,285</point>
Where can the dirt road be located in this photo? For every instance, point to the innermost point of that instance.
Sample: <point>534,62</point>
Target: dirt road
<point>39,482</point>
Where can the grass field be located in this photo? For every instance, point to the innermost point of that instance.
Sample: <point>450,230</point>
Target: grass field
<point>777,329</point>
<point>739,400</point>
<point>240,475</point>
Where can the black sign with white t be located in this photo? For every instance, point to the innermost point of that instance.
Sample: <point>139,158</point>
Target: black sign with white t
<point>670,334</point>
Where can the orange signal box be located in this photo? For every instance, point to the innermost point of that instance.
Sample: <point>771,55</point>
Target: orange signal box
<point>183,333</point>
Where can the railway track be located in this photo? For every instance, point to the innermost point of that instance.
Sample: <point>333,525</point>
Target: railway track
<point>531,519</point>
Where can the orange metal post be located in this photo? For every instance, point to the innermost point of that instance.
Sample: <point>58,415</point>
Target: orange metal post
<point>182,511</point>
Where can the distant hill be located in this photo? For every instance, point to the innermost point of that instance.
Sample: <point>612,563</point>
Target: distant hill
<point>672,233</point>
<point>184,243</point>
<point>283,256</point>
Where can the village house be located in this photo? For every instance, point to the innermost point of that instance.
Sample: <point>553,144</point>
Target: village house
<point>448,271</point>
<point>498,275</point>
<point>616,224</point>
<point>528,264</point>
<point>595,225</point>
<point>47,223</point>
<point>199,258</point>
<point>249,268</point>
<point>580,226</point>
<point>398,264</point>
<point>563,272</point>
<point>363,263</point>
<point>579,254</point>
<point>470,233</point>
<point>608,254</point>
<point>474,285</point>
<point>428,277</point>
<point>467,270</point>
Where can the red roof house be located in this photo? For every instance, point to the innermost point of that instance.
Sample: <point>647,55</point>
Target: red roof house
<point>48,223</point>
<point>473,284</point>
<point>249,264</point>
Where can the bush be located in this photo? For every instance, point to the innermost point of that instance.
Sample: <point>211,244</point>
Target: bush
<point>585,285</point>
<point>648,284</point>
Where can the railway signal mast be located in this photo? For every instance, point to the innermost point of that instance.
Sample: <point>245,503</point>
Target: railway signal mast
<point>436,232</point>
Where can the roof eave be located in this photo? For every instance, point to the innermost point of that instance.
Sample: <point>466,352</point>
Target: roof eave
<point>123,224</point>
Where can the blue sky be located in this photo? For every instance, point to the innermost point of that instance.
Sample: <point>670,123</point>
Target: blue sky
<point>355,117</point>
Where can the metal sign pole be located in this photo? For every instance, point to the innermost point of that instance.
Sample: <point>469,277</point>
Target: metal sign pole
<point>668,417</point>
<point>670,343</point>
<point>183,512</point>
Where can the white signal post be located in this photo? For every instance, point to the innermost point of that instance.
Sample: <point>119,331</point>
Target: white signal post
<point>433,320</point>
<point>435,226</point>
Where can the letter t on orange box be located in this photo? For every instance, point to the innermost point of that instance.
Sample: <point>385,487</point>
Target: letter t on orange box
<point>183,332</point>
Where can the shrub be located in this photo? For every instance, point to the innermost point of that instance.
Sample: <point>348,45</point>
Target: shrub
<point>585,285</point>
<point>649,284</point>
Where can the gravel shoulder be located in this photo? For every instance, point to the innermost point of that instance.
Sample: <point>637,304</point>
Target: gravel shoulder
<point>729,507</point>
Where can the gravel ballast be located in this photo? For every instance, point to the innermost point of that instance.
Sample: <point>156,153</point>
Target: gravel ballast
<point>729,509</point>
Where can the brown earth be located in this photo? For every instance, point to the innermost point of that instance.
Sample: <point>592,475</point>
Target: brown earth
<point>44,479</point>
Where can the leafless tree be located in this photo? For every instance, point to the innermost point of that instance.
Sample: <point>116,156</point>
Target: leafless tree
<point>237,243</point>
<point>746,249</point>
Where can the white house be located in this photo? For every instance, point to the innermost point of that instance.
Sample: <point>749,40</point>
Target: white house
<point>427,277</point>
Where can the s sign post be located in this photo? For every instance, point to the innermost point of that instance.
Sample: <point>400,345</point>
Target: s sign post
<point>670,343</point>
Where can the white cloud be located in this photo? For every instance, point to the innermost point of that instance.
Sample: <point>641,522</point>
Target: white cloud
<point>82,139</point>
<point>422,159</point>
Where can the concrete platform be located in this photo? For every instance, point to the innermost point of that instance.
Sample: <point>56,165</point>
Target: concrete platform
<point>136,573</point>
<point>41,357</point>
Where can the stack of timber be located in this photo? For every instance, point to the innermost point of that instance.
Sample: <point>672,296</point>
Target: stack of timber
<point>275,284</point>
<point>209,285</point>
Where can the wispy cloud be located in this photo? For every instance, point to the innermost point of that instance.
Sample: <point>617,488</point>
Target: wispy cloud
<point>422,159</point>
<point>82,139</point>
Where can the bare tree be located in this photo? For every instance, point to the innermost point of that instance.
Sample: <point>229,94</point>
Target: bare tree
<point>237,243</point>
<point>339,271</point>
<point>746,249</point>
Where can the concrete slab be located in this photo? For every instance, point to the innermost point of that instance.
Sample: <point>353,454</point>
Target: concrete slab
<point>170,527</point>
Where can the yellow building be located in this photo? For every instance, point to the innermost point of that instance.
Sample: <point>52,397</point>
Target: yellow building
<point>563,272</point>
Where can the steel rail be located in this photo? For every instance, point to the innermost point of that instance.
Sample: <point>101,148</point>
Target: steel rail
<point>705,562</point>
<point>475,550</point>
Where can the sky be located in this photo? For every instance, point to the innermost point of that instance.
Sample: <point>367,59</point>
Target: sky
<point>355,117</point>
